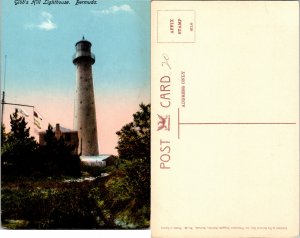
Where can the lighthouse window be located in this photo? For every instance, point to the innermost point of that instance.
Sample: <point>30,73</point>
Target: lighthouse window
<point>83,46</point>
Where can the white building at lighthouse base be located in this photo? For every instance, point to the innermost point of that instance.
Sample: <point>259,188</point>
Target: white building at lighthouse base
<point>98,160</point>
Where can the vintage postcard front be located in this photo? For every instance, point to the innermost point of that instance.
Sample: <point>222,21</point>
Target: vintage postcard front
<point>225,118</point>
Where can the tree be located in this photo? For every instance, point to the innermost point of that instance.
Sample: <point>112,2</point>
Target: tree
<point>19,134</point>
<point>3,135</point>
<point>57,156</point>
<point>50,135</point>
<point>134,137</point>
<point>128,188</point>
<point>19,148</point>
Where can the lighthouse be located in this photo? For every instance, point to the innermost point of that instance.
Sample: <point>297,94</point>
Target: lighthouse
<point>84,112</point>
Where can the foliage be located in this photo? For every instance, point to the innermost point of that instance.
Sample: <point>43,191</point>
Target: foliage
<point>54,204</point>
<point>3,134</point>
<point>95,171</point>
<point>58,157</point>
<point>127,201</point>
<point>22,156</point>
<point>129,187</point>
<point>134,137</point>
<point>125,194</point>
<point>119,200</point>
<point>19,149</point>
<point>19,140</point>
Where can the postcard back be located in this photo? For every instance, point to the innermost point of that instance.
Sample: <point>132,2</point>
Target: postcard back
<point>225,118</point>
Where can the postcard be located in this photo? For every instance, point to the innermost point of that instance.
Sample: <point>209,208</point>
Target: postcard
<point>225,119</point>
<point>75,96</point>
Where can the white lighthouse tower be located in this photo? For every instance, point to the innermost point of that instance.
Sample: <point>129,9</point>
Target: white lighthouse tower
<point>85,113</point>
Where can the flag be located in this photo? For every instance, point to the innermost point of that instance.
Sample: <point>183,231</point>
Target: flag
<point>37,123</point>
<point>23,112</point>
<point>37,118</point>
<point>37,115</point>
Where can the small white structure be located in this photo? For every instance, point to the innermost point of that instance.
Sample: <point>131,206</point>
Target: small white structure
<point>99,160</point>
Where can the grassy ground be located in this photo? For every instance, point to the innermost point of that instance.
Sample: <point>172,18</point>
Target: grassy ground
<point>92,201</point>
<point>55,203</point>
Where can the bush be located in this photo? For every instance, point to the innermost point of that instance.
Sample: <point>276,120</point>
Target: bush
<point>55,205</point>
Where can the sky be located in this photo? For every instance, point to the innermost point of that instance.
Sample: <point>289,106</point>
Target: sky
<point>39,42</point>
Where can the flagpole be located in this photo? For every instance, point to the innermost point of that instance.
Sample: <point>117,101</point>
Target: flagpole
<point>3,93</point>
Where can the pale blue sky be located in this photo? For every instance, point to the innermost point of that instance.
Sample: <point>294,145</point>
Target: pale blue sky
<point>42,57</point>
<point>39,42</point>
